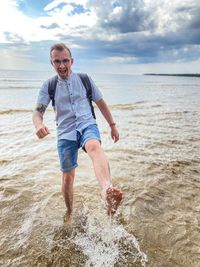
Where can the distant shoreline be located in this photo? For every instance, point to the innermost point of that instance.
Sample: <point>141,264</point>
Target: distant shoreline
<point>168,74</point>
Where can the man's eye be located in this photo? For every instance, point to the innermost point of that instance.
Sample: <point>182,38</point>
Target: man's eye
<point>57,61</point>
<point>66,61</point>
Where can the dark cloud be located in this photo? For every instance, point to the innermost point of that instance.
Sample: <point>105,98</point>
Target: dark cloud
<point>194,22</point>
<point>13,38</point>
<point>124,16</point>
<point>151,33</point>
<point>140,32</point>
<point>52,26</point>
<point>141,48</point>
<point>145,33</point>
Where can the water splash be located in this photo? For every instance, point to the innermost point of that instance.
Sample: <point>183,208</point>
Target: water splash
<point>106,243</point>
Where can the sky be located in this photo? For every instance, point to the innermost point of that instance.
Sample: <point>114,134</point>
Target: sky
<point>116,36</point>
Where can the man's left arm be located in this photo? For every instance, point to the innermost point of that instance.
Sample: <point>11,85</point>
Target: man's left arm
<point>108,116</point>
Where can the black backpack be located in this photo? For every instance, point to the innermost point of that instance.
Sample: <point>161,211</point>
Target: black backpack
<point>52,82</point>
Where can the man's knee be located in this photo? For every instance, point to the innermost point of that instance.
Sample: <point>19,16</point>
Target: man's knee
<point>68,177</point>
<point>92,147</point>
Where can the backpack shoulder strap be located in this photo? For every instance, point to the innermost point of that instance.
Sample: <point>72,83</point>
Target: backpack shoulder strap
<point>52,82</point>
<point>87,84</point>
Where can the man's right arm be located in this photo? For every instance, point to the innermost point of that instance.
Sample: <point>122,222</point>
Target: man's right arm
<point>41,129</point>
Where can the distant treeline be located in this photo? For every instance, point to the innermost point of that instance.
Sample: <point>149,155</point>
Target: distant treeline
<point>181,74</point>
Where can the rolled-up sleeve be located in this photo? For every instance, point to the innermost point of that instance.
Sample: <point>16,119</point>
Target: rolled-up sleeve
<point>43,95</point>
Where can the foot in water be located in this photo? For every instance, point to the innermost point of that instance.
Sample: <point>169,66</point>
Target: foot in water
<point>113,199</point>
<point>67,217</point>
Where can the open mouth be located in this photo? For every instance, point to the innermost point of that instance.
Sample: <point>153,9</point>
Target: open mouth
<point>62,72</point>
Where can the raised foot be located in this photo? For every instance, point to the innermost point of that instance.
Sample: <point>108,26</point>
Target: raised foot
<point>113,199</point>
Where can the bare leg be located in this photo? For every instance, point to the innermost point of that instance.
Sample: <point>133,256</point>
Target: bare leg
<point>112,196</point>
<point>67,190</point>
<point>100,163</point>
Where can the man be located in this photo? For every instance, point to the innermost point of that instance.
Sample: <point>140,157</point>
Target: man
<point>76,127</point>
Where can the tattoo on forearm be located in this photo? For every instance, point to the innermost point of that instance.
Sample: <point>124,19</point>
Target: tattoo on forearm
<point>40,108</point>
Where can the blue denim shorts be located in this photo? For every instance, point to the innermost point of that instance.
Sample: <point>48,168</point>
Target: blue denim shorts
<point>68,149</point>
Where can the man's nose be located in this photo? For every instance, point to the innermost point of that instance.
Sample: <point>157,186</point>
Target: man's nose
<point>62,64</point>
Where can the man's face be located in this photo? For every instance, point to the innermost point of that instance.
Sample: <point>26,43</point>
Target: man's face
<point>62,62</point>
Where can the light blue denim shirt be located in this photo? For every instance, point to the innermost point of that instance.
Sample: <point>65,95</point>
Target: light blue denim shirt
<point>72,108</point>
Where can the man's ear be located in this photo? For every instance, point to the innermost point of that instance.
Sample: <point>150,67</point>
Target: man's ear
<point>72,60</point>
<point>51,62</point>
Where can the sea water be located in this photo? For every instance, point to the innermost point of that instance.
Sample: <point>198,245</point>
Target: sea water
<point>156,163</point>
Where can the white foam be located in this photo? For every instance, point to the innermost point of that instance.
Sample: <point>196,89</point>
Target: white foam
<point>105,242</point>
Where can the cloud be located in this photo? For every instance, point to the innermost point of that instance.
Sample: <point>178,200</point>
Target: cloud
<point>13,38</point>
<point>134,31</point>
<point>151,31</point>
<point>123,16</point>
<point>52,26</point>
<point>56,3</point>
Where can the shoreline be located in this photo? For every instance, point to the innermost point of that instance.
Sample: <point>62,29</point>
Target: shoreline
<point>176,74</point>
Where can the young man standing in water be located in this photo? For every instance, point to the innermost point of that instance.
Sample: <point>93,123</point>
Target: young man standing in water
<point>76,127</point>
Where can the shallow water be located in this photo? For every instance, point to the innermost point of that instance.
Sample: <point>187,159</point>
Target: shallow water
<point>156,163</point>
